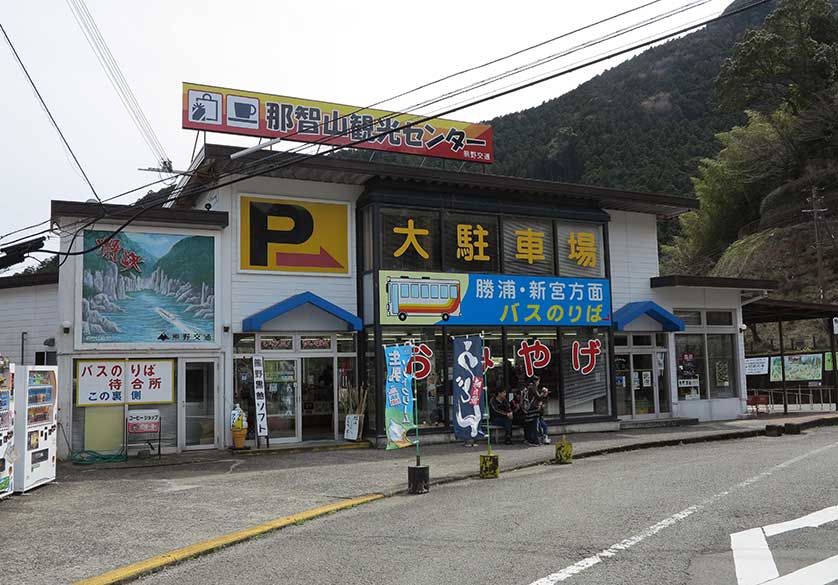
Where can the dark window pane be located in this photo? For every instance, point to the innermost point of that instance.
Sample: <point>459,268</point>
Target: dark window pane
<point>528,246</point>
<point>580,250</point>
<point>410,240</point>
<point>719,318</point>
<point>244,343</point>
<point>520,341</point>
<point>689,353</point>
<point>585,385</point>
<point>641,340</point>
<point>689,317</point>
<point>722,361</point>
<point>471,243</point>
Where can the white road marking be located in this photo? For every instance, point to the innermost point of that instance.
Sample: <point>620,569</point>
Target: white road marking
<point>813,520</point>
<point>755,564</point>
<point>752,558</point>
<point>626,544</point>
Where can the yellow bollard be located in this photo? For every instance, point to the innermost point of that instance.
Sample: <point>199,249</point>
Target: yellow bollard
<point>489,466</point>
<point>564,452</point>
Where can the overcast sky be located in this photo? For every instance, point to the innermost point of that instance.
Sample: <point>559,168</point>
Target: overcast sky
<point>355,53</point>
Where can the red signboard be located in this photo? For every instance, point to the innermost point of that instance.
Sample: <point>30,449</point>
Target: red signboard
<point>218,109</point>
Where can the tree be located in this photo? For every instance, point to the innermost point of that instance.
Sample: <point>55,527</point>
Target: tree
<point>791,58</point>
<point>755,158</point>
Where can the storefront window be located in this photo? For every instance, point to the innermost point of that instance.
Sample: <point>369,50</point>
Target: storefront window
<point>689,351</point>
<point>349,392</point>
<point>528,246</point>
<point>313,343</point>
<point>281,398</point>
<point>585,370</point>
<point>346,342</point>
<point>410,240</point>
<point>244,343</point>
<point>721,359</point>
<point>689,317</point>
<point>470,243</point>
<point>580,249</point>
<point>276,342</point>
<point>720,318</point>
<point>243,391</point>
<point>534,353</point>
<point>428,371</point>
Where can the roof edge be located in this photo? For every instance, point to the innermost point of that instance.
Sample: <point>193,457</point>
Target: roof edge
<point>712,282</point>
<point>28,279</point>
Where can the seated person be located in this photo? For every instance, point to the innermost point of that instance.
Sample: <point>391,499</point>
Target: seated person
<point>501,414</point>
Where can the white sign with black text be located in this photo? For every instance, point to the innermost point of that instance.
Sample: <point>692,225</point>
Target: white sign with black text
<point>259,396</point>
<point>757,366</point>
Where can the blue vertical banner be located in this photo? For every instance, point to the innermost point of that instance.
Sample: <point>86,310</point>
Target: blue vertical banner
<point>468,387</point>
<point>398,394</point>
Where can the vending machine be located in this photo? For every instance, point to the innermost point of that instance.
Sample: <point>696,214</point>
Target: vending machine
<point>36,427</point>
<point>7,429</point>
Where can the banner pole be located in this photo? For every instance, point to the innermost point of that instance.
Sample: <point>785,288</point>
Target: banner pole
<point>415,416</point>
<point>486,397</point>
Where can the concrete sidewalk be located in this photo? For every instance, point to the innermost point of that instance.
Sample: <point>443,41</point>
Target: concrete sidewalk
<point>97,518</point>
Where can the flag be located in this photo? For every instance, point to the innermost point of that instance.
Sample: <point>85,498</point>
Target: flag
<point>398,412</point>
<point>468,387</point>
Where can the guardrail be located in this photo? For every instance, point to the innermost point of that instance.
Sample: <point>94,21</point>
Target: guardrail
<point>799,399</point>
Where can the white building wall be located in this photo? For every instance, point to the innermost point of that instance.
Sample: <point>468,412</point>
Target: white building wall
<point>633,251</point>
<point>32,310</point>
<point>251,293</point>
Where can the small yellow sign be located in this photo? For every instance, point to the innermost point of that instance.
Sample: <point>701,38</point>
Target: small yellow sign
<point>294,235</point>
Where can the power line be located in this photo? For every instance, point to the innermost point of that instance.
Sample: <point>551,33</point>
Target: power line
<point>526,85</point>
<point>46,109</point>
<point>447,77</point>
<point>114,74</point>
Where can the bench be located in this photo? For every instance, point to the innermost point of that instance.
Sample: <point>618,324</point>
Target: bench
<point>757,400</point>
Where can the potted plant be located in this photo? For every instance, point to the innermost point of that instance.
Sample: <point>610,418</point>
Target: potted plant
<point>355,404</point>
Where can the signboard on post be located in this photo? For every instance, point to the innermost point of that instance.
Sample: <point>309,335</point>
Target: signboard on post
<point>493,299</point>
<point>143,421</point>
<point>259,396</point>
<point>248,113</point>
<point>756,366</point>
<point>127,381</point>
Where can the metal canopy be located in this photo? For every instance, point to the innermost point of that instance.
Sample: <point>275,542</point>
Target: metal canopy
<point>774,310</point>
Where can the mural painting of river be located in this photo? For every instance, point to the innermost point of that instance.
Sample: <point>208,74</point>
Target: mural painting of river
<point>144,287</point>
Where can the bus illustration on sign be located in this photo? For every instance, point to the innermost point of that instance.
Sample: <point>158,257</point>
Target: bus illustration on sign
<point>423,297</point>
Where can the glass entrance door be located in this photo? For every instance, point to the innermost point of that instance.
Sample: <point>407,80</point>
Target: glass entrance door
<point>318,398</point>
<point>199,401</point>
<point>282,399</point>
<point>643,384</point>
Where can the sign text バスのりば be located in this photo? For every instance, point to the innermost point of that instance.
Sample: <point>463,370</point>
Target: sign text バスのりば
<point>218,109</point>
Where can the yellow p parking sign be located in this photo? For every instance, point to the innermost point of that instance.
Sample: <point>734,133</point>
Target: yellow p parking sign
<point>294,235</point>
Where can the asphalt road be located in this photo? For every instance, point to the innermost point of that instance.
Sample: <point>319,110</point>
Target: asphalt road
<point>657,516</point>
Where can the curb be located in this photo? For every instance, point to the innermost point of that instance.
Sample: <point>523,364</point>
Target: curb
<point>153,564</point>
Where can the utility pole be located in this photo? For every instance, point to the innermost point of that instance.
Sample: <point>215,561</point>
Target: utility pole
<point>816,201</point>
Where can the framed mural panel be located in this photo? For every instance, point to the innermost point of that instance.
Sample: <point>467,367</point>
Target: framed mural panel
<point>147,289</point>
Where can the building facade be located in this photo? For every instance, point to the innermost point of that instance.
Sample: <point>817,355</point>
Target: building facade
<point>312,268</point>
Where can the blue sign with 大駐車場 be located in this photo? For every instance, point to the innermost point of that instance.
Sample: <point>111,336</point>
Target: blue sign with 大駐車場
<point>493,299</point>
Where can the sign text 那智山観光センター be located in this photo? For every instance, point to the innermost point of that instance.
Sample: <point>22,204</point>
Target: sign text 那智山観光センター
<point>133,381</point>
<point>294,235</point>
<point>231,111</point>
<point>493,299</point>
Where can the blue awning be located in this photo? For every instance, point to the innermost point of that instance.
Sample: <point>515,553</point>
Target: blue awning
<point>631,311</point>
<point>257,320</point>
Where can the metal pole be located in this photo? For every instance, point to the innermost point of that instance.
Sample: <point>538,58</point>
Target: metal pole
<point>831,330</point>
<point>783,368</point>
